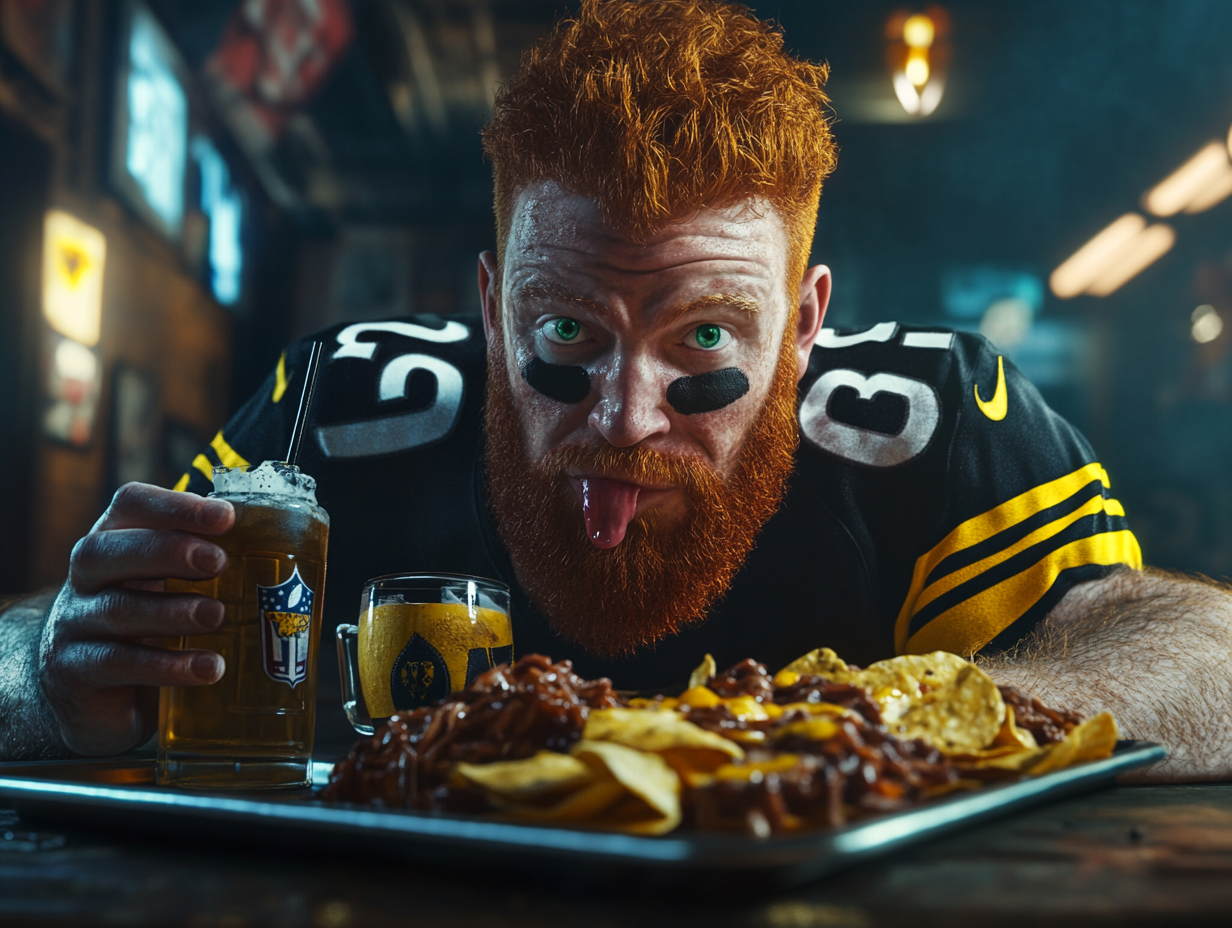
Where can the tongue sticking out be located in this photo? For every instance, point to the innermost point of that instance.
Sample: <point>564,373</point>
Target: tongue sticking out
<point>608,507</point>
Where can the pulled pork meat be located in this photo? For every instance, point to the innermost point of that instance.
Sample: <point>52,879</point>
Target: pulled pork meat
<point>1047,725</point>
<point>507,713</point>
<point>800,768</point>
<point>797,779</point>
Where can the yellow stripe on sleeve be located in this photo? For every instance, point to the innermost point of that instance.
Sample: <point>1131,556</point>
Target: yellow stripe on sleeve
<point>974,622</point>
<point>985,526</point>
<point>182,484</point>
<point>226,454</point>
<point>202,463</point>
<point>1043,533</point>
<point>280,379</point>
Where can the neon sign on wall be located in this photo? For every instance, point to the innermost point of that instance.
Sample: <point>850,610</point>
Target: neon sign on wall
<point>222,203</point>
<point>152,125</point>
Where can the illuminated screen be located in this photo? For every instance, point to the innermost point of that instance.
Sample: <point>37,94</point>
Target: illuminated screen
<point>221,202</point>
<point>153,130</point>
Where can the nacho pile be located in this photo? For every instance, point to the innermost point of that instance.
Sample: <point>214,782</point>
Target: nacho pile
<point>818,743</point>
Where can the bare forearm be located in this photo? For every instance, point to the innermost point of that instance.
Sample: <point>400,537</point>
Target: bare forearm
<point>1155,650</point>
<point>27,731</point>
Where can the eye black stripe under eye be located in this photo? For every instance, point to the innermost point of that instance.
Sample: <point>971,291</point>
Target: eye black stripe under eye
<point>707,392</point>
<point>558,382</point>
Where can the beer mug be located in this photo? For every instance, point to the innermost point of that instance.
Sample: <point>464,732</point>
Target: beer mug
<point>420,637</point>
<point>254,727</point>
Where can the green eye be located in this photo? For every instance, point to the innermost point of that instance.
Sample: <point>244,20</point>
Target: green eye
<point>566,330</point>
<point>710,336</point>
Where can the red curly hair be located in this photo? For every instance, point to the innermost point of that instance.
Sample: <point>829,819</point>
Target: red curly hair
<point>657,109</point>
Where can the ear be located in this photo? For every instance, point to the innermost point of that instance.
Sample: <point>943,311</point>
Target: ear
<point>488,295</point>
<point>814,298</point>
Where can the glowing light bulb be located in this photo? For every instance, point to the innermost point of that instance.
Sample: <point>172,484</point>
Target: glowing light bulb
<point>919,31</point>
<point>1207,324</point>
<point>917,69</point>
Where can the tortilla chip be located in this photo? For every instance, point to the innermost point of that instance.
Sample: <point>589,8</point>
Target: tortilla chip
<point>1012,736</point>
<point>657,730</point>
<point>946,701</point>
<point>600,783</point>
<point>703,672</point>
<point>963,715</point>
<point>646,777</point>
<point>546,774</point>
<point>1094,739</point>
<point>823,662</point>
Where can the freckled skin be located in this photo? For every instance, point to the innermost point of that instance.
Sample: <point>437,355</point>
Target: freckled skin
<point>563,260</point>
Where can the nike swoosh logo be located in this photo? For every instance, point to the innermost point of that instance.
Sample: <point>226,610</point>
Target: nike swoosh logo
<point>996,407</point>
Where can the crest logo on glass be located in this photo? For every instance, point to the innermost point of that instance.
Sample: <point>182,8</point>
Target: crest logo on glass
<point>286,621</point>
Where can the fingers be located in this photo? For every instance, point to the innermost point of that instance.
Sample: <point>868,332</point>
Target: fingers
<point>140,505</point>
<point>108,558</point>
<point>109,664</point>
<point>133,614</point>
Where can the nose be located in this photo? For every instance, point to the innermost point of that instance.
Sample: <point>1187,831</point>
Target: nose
<point>631,399</point>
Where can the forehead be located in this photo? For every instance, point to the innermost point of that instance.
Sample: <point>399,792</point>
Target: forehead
<point>559,235</point>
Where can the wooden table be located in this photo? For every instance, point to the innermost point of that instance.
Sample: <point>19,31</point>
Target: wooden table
<point>1123,856</point>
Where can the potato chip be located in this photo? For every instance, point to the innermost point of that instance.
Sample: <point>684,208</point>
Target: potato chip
<point>657,730</point>
<point>703,672</point>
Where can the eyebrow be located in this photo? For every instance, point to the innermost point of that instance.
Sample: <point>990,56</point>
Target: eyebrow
<point>745,304</point>
<point>549,291</point>
<point>545,291</point>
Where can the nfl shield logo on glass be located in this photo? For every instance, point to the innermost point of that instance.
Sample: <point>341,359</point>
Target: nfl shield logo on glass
<point>286,618</point>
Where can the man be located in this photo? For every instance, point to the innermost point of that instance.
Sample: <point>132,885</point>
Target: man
<point>634,469</point>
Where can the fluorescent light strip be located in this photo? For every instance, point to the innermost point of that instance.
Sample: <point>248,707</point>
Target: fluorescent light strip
<point>1213,195</point>
<point>1191,184</point>
<point>1135,256</point>
<point>1093,259</point>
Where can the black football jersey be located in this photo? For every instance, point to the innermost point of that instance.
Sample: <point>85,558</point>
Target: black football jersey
<point>937,502</point>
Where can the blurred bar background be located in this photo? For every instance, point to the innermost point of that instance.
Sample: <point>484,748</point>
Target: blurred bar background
<point>187,186</point>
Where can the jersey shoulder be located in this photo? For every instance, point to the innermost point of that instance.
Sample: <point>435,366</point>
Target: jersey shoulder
<point>384,386</point>
<point>889,395</point>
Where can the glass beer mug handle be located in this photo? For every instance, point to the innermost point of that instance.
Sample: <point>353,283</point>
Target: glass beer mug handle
<point>348,670</point>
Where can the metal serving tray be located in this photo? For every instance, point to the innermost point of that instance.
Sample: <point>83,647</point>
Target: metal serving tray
<point>120,795</point>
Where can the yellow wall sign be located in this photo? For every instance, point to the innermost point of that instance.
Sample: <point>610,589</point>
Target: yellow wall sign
<point>73,258</point>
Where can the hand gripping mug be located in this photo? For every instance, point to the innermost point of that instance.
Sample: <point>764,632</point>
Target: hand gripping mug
<point>254,727</point>
<point>420,637</point>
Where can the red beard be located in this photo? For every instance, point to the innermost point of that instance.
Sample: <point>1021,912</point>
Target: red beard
<point>659,580</point>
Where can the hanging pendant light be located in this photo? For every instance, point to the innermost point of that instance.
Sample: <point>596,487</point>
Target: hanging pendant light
<point>918,53</point>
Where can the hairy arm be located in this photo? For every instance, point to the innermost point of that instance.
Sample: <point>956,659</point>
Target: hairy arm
<point>1152,647</point>
<point>28,730</point>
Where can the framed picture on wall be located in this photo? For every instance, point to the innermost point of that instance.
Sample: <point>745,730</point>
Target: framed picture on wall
<point>134,426</point>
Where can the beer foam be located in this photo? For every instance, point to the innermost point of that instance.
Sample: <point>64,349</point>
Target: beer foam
<point>269,478</point>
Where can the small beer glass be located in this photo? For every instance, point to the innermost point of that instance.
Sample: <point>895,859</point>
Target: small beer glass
<point>254,727</point>
<point>420,637</point>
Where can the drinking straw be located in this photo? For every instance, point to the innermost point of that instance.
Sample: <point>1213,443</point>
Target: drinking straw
<point>305,401</point>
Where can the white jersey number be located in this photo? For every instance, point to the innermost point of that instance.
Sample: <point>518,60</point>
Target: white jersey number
<point>864,446</point>
<point>368,438</point>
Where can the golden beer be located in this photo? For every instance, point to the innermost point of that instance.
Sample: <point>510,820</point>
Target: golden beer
<point>421,637</point>
<point>254,727</point>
